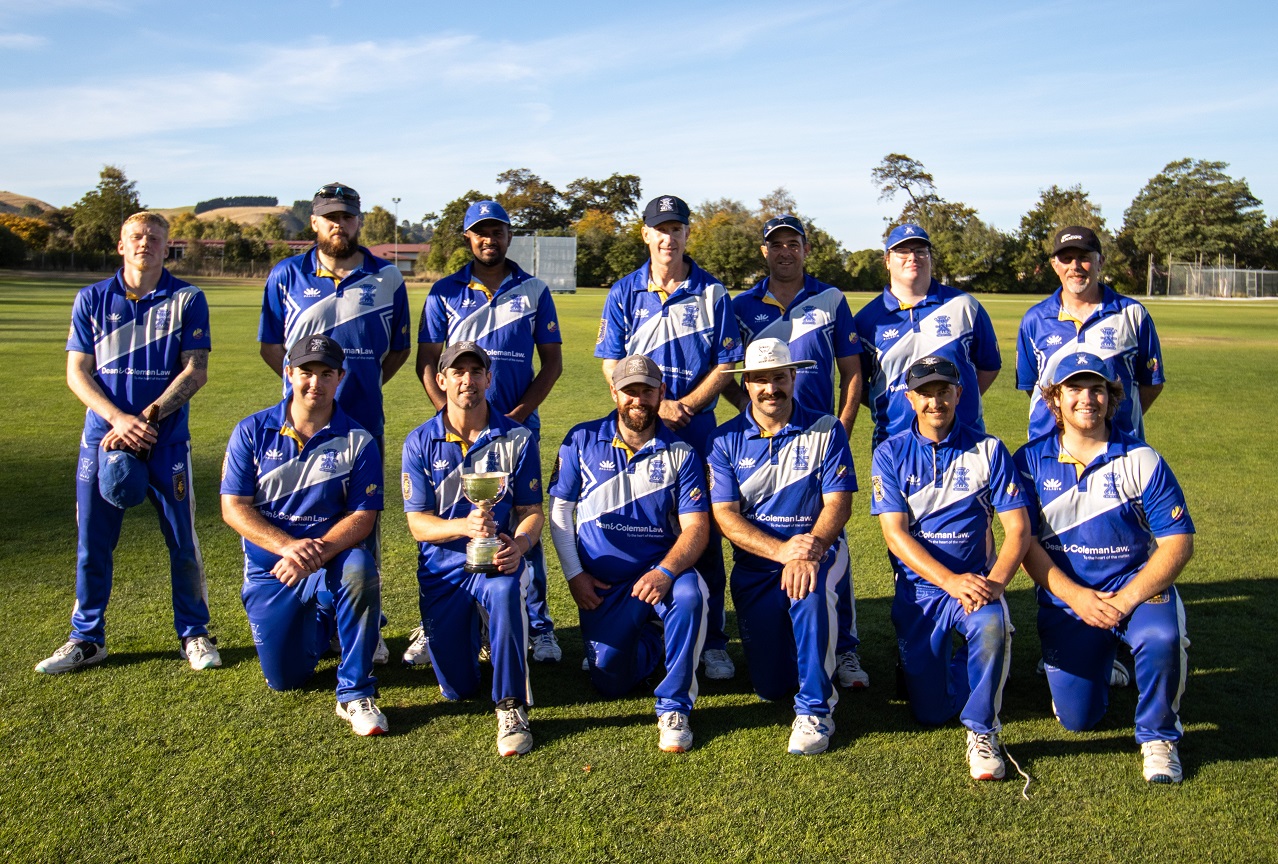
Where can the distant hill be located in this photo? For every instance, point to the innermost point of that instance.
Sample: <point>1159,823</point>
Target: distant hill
<point>236,201</point>
<point>12,202</point>
<point>242,215</point>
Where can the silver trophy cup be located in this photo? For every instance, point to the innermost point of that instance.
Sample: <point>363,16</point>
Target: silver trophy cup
<point>484,491</point>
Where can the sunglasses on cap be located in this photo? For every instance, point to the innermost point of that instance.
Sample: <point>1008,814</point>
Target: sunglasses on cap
<point>940,367</point>
<point>343,193</point>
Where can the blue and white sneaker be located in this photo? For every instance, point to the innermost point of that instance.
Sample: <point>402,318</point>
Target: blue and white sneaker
<point>71,656</point>
<point>810,735</point>
<point>1162,762</point>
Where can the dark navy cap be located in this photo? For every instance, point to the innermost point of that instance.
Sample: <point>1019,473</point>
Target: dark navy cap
<point>794,223</point>
<point>335,198</point>
<point>930,369</point>
<point>122,478</point>
<point>1084,362</point>
<point>317,349</point>
<point>1077,237</point>
<point>665,208</point>
<point>482,211</point>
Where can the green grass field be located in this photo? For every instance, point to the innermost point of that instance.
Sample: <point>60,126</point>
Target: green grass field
<point>141,759</point>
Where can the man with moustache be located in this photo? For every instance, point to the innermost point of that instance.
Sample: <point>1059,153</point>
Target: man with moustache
<point>1086,315</point>
<point>340,289</point>
<point>470,436</point>
<point>302,484</point>
<point>1113,533</point>
<point>917,317</point>
<point>642,518</point>
<point>935,487</point>
<point>814,320</point>
<point>680,316</point>
<point>509,313</point>
<point>137,352</point>
<point>781,484</point>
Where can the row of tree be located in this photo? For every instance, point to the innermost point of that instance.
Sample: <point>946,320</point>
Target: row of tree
<point>1191,209</point>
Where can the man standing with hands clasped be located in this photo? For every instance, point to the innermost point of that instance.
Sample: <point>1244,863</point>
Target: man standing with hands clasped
<point>935,487</point>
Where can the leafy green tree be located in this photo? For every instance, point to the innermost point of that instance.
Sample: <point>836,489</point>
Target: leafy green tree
<point>725,241</point>
<point>778,202</point>
<point>378,227</point>
<point>826,260</point>
<point>617,196</point>
<point>31,210</point>
<point>627,251</point>
<point>269,229</point>
<point>34,233</point>
<point>867,270</point>
<point>1030,251</point>
<point>13,252</point>
<point>1191,208</point>
<point>186,226</point>
<point>447,236</point>
<point>596,232</point>
<point>100,213</point>
<point>222,228</point>
<point>899,173</point>
<point>531,202</point>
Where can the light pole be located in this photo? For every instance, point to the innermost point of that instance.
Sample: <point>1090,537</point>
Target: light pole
<point>396,200</point>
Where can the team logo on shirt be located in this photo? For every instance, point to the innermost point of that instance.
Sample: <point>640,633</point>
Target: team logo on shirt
<point>890,333</point>
<point>114,317</point>
<point>961,479</point>
<point>273,453</point>
<point>534,484</point>
<point>641,314</point>
<point>809,314</point>
<point>1013,490</point>
<point>406,485</point>
<point>876,482</point>
<point>761,318</point>
<point>162,318</point>
<point>494,463</point>
<point>1111,485</point>
<point>1152,364</point>
<point>841,471</point>
<point>607,465</point>
<point>603,328</point>
<point>517,303</point>
<point>728,342</point>
<point>1051,484</point>
<point>197,332</point>
<point>853,338</point>
<point>746,464</point>
<point>552,326</point>
<point>311,292</point>
<point>943,325</point>
<point>86,468</point>
<point>689,316</point>
<point>328,462</point>
<point>179,482</point>
<point>800,457</point>
<point>370,489</point>
<point>1177,512</point>
<point>1054,340</point>
<point>367,295</point>
<point>657,471</point>
<point>912,480</point>
<point>1108,336</point>
<point>440,465</point>
<point>695,493</point>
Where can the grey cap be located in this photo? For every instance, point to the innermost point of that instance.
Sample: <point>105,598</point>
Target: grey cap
<point>636,369</point>
<point>457,349</point>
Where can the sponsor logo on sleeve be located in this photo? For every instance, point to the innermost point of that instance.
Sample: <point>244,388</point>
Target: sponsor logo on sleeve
<point>1013,490</point>
<point>603,329</point>
<point>876,482</point>
<point>535,484</point>
<point>1177,512</point>
<point>695,493</point>
<point>370,489</point>
<point>1152,364</point>
<point>197,333</point>
<point>406,484</point>
<point>728,342</point>
<point>552,326</point>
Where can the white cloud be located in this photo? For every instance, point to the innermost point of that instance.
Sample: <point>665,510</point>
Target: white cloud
<point>22,41</point>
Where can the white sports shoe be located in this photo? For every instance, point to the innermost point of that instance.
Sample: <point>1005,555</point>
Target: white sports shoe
<point>381,654</point>
<point>200,652</point>
<point>514,738</point>
<point>418,651</point>
<point>985,756</point>
<point>485,641</point>
<point>73,655</point>
<point>545,648</point>
<point>364,716</point>
<point>1162,762</point>
<point>810,735</point>
<point>676,734</point>
<point>718,664</point>
<point>848,670</point>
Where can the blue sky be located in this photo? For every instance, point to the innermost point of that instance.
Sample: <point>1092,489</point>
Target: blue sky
<point>424,100</point>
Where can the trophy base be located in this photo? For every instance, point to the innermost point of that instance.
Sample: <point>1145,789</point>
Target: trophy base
<point>489,570</point>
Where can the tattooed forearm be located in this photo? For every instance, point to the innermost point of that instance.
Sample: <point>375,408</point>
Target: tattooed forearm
<point>194,374</point>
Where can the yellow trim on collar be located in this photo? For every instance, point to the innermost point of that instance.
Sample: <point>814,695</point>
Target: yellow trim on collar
<point>1065,316</point>
<point>454,438</point>
<point>618,442</point>
<point>476,285</point>
<point>327,274</point>
<point>289,432</point>
<point>1067,458</point>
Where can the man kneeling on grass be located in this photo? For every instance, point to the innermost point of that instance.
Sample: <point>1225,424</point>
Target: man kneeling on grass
<point>936,486</point>
<point>1113,533</point>
<point>302,484</point>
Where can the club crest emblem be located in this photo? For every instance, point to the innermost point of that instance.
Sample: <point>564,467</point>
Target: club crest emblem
<point>485,209</point>
<point>801,457</point>
<point>494,461</point>
<point>666,205</point>
<point>179,484</point>
<point>1109,337</point>
<point>406,485</point>
<point>367,295</point>
<point>1111,485</point>
<point>162,318</point>
<point>689,316</point>
<point>86,468</point>
<point>809,314</point>
<point>328,462</point>
<point>961,479</point>
<point>943,325</point>
<point>876,482</point>
<point>517,303</point>
<point>657,471</point>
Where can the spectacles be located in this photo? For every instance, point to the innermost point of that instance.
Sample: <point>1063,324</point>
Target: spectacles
<point>924,368</point>
<point>343,193</point>
<point>920,254</point>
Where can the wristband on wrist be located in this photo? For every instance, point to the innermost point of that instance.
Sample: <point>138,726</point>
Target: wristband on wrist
<point>661,569</point>
<point>528,537</point>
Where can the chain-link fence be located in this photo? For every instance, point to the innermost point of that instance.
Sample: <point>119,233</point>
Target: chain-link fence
<point>1191,279</point>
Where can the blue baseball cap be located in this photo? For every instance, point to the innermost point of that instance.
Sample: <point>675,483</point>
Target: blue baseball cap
<point>666,208</point>
<point>776,223</point>
<point>482,211</point>
<point>901,233</point>
<point>1084,363</point>
<point>122,478</point>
